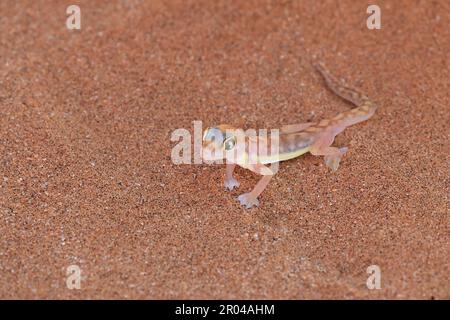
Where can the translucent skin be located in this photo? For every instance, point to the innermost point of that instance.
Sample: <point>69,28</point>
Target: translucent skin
<point>294,140</point>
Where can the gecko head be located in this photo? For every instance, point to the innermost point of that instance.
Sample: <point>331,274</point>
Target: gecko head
<point>217,141</point>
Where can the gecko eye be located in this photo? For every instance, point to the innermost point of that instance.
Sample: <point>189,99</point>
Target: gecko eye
<point>230,143</point>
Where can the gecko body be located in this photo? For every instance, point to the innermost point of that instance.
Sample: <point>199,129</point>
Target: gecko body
<point>293,140</point>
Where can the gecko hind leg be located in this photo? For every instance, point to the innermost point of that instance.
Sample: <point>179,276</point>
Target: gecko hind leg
<point>332,155</point>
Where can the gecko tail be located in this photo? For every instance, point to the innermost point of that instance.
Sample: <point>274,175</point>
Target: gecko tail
<point>349,94</point>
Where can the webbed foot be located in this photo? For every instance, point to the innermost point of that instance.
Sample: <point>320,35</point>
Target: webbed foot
<point>247,200</point>
<point>230,184</point>
<point>332,161</point>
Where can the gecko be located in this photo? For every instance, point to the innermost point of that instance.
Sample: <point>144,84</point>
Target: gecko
<point>294,140</point>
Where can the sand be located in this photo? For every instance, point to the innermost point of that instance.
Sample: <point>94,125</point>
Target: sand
<point>86,175</point>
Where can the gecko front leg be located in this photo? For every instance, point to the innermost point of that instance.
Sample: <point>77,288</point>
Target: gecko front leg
<point>250,199</point>
<point>230,182</point>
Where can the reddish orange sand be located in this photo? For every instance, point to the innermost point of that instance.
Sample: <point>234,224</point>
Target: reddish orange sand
<point>86,176</point>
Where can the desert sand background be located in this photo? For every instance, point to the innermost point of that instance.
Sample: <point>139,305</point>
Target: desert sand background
<point>86,176</point>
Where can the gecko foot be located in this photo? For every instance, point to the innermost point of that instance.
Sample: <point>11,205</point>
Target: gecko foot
<point>230,184</point>
<point>332,161</point>
<point>247,200</point>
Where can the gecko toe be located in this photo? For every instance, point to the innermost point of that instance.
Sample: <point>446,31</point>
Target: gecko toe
<point>231,184</point>
<point>248,201</point>
<point>332,162</point>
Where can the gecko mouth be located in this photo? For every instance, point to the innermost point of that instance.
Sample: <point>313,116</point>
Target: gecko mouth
<point>214,137</point>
